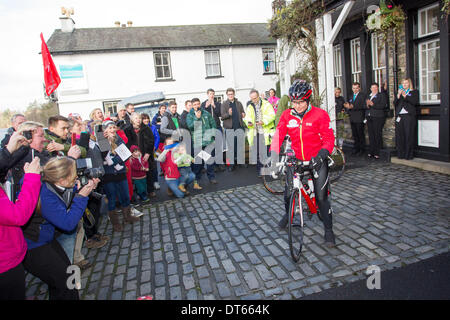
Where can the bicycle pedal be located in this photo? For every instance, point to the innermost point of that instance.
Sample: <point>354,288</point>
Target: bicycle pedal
<point>310,216</point>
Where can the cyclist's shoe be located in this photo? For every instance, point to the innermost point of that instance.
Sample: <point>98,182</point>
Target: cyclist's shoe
<point>283,222</point>
<point>330,241</point>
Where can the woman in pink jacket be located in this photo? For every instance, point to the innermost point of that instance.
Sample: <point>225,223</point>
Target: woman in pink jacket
<point>12,216</point>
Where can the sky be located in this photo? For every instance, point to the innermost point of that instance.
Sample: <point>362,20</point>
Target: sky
<point>22,21</point>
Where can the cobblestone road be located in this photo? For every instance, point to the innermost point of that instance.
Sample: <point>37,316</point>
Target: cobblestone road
<point>227,245</point>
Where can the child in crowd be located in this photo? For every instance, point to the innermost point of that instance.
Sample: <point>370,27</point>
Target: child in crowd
<point>170,169</point>
<point>183,161</point>
<point>139,168</point>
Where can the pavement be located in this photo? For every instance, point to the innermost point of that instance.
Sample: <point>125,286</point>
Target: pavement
<point>226,244</point>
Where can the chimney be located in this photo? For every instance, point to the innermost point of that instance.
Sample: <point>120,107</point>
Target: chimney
<point>67,24</point>
<point>130,23</point>
<point>117,23</point>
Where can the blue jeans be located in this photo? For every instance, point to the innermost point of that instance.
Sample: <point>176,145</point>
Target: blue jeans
<point>173,185</point>
<point>186,175</point>
<point>116,190</point>
<point>197,168</point>
<point>67,242</point>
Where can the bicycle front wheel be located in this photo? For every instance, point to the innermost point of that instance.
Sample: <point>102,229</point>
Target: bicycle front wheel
<point>337,169</point>
<point>274,179</point>
<point>296,225</point>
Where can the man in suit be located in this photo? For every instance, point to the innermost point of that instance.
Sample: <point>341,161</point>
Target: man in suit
<point>356,107</point>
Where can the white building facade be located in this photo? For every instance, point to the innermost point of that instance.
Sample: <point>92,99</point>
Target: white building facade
<point>98,73</point>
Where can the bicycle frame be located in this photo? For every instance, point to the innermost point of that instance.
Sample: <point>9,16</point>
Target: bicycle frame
<point>310,199</point>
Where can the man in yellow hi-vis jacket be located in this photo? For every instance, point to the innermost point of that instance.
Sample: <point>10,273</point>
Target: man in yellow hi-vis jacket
<point>260,121</point>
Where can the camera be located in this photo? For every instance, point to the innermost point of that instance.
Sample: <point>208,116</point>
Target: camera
<point>28,134</point>
<point>121,124</point>
<point>85,172</point>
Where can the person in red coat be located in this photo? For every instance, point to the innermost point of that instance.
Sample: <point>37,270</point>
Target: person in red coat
<point>139,169</point>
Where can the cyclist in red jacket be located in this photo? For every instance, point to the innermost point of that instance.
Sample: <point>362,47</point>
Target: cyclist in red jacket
<point>312,139</point>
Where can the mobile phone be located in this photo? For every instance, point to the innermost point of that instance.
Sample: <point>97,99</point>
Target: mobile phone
<point>28,134</point>
<point>401,87</point>
<point>74,139</point>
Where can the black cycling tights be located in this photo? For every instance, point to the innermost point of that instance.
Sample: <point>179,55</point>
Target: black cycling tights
<point>321,192</point>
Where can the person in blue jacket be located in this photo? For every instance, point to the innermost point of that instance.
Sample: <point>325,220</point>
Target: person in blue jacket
<point>146,121</point>
<point>61,206</point>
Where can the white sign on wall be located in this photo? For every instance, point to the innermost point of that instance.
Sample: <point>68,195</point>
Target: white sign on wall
<point>428,133</point>
<point>73,79</point>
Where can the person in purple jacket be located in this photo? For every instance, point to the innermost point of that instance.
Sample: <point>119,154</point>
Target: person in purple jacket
<point>61,206</point>
<point>12,216</point>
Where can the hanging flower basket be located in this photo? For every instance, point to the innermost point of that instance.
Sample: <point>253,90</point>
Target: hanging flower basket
<point>386,19</point>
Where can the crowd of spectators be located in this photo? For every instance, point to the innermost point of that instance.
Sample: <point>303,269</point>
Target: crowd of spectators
<point>59,178</point>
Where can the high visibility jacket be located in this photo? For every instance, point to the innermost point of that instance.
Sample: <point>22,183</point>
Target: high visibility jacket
<point>308,134</point>
<point>267,117</point>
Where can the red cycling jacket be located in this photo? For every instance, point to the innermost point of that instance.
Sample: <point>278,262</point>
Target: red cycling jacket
<point>308,135</point>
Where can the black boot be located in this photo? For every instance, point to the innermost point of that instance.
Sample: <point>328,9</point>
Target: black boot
<point>330,242</point>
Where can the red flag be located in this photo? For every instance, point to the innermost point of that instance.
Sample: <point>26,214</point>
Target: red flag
<point>51,76</point>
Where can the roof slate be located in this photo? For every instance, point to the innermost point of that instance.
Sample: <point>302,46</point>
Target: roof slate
<point>142,38</point>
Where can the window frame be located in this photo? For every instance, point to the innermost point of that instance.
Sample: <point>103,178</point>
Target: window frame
<point>419,21</point>
<point>356,74</point>
<point>421,69</point>
<point>110,104</point>
<point>377,70</point>
<point>162,65</point>
<point>264,50</point>
<point>337,66</point>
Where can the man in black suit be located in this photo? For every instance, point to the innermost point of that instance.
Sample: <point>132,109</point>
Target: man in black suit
<point>356,107</point>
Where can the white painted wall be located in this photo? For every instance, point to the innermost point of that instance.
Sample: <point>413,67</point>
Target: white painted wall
<point>117,75</point>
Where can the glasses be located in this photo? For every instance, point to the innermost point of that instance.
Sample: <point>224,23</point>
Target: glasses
<point>298,101</point>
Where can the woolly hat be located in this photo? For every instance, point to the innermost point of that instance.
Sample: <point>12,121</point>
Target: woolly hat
<point>134,147</point>
<point>107,123</point>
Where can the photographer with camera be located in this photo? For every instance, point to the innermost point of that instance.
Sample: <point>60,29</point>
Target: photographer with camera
<point>61,205</point>
<point>12,216</point>
<point>115,179</point>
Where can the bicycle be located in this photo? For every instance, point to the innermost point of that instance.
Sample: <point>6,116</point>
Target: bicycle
<point>274,177</point>
<point>300,185</point>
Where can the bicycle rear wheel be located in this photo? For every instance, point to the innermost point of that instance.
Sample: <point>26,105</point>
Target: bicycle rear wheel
<point>274,179</point>
<point>295,226</point>
<point>337,169</point>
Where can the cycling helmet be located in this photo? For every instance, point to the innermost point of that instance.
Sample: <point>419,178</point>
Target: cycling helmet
<point>300,90</point>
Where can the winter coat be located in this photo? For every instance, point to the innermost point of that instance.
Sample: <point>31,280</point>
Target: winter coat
<point>202,129</point>
<point>268,118</point>
<point>137,168</point>
<point>227,120</point>
<point>55,213</point>
<point>168,127</point>
<point>215,112</point>
<point>67,145</point>
<point>168,166</point>
<point>308,134</point>
<point>144,139</point>
<point>13,246</point>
